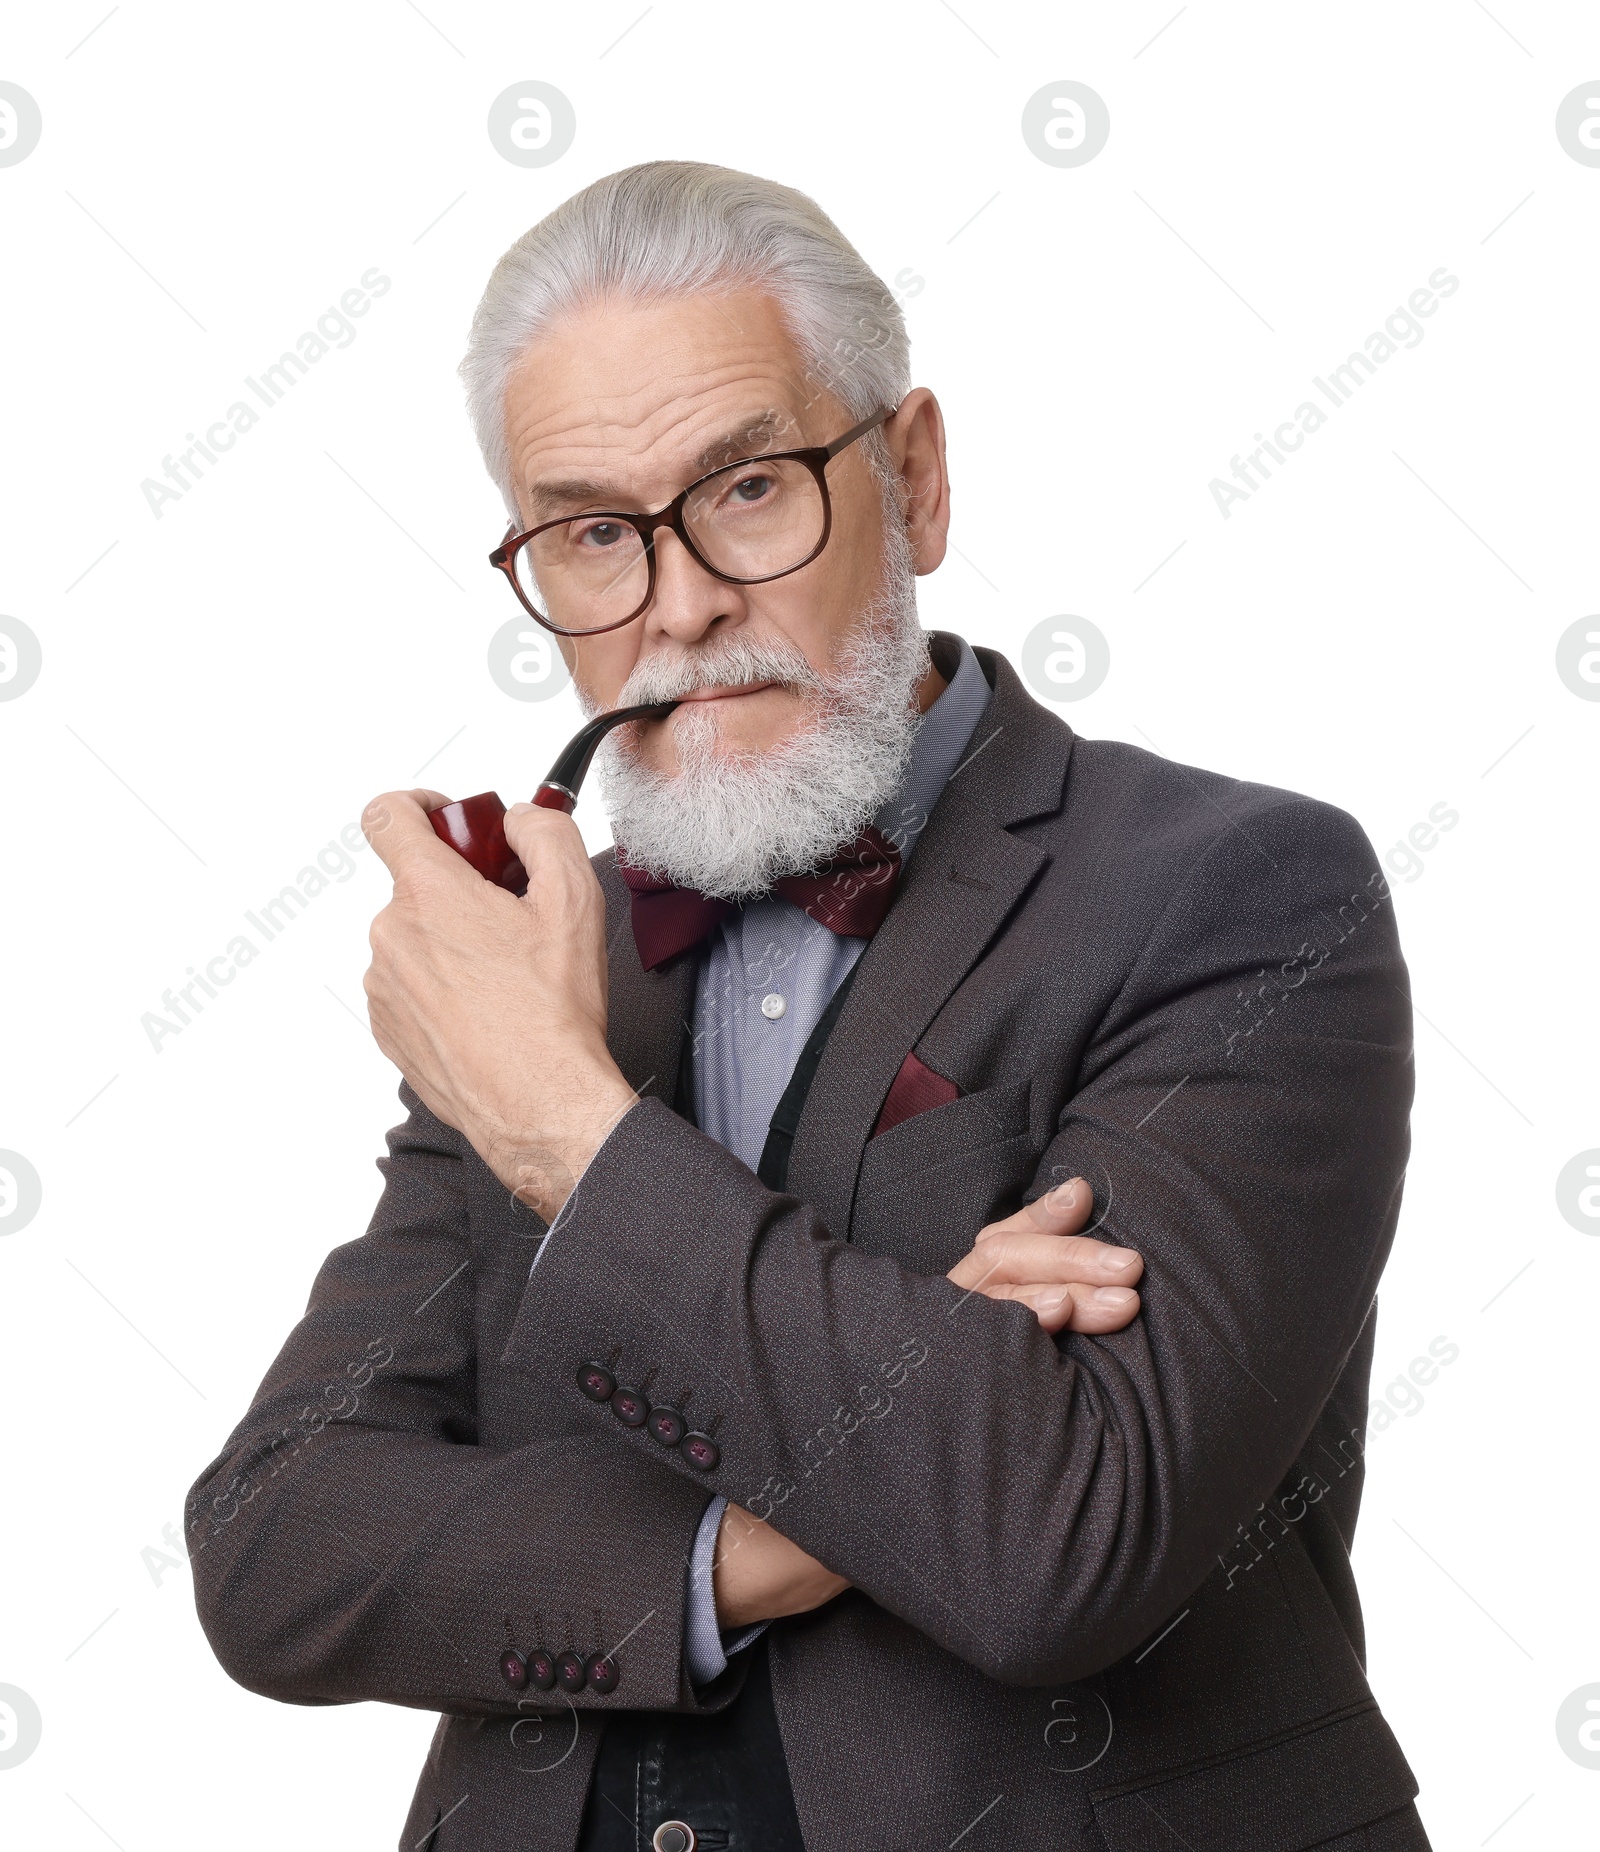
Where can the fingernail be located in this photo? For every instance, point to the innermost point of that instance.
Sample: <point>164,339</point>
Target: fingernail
<point>1113,1295</point>
<point>1053,1303</point>
<point>1120,1257</point>
<point>517,809</point>
<point>1061,1196</point>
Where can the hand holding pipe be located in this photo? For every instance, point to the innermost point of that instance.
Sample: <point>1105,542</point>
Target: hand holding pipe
<point>475,827</point>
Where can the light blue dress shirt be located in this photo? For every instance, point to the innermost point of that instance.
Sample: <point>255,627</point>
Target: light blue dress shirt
<point>766,976</point>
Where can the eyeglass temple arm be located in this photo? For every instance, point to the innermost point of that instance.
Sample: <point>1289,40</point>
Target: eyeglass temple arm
<point>859,430</point>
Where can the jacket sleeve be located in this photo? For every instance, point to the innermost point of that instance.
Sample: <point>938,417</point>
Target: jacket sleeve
<point>1039,1506</point>
<point>354,1540</point>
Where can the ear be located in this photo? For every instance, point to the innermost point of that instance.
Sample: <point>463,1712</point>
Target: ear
<point>915,435</point>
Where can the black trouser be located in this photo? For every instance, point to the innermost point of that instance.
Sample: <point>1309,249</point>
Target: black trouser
<point>723,1774</point>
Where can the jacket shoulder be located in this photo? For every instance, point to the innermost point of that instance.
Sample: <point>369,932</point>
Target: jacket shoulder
<point>1132,803</point>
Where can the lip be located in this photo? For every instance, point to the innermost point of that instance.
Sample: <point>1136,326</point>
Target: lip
<point>723,691</point>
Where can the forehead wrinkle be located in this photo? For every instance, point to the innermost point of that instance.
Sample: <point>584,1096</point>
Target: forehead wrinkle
<point>751,437</point>
<point>643,420</point>
<point>630,394</point>
<point>654,429</point>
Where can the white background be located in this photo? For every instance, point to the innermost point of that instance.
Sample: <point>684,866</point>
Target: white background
<point>225,686</point>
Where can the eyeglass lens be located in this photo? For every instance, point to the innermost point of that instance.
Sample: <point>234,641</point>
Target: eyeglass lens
<point>753,520</point>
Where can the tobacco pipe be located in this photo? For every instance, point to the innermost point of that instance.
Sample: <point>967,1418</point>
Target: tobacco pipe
<point>475,827</point>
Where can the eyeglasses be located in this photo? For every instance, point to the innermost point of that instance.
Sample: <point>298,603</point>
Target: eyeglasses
<point>758,519</point>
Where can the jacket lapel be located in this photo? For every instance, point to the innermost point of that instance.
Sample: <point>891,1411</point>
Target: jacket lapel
<point>966,875</point>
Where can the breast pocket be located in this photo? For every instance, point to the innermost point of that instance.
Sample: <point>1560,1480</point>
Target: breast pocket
<point>927,1185</point>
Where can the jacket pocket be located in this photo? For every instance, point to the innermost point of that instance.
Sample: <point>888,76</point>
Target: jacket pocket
<point>1283,1796</point>
<point>927,1185</point>
<point>942,1134</point>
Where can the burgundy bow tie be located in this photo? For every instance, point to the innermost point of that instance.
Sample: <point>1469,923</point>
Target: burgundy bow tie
<point>849,895</point>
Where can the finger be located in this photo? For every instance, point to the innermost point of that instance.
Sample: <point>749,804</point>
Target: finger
<point>1097,1310</point>
<point>561,880</point>
<point>1026,1255</point>
<point>1082,1308</point>
<point>1061,1211</point>
<point>397,826</point>
<point>1012,1257</point>
<point>536,834</point>
<point>1101,1263</point>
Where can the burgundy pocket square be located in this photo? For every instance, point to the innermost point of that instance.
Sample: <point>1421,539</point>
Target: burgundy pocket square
<point>916,1089</point>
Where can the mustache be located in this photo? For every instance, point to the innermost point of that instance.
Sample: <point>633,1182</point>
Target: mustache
<point>734,661</point>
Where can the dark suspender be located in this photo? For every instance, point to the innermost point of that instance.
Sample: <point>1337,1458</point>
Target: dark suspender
<point>773,1169</point>
<point>724,1773</point>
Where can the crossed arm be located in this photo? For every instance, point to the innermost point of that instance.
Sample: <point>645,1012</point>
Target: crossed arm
<point>1037,1257</point>
<point>356,1539</point>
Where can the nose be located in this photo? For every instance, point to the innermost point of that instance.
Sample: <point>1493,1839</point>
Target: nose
<point>689,602</point>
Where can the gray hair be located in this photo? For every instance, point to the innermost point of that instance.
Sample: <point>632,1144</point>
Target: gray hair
<point>676,227</point>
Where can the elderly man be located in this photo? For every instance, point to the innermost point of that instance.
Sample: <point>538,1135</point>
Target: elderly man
<point>740,1419</point>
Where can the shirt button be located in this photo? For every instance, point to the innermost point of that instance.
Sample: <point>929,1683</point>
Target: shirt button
<point>772,1006</point>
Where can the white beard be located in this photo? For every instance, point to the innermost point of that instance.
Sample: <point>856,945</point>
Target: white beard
<point>731,824</point>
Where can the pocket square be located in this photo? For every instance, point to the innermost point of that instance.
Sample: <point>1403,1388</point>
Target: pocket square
<point>916,1089</point>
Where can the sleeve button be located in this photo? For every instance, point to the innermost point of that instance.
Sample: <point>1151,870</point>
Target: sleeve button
<point>570,1675</point>
<point>630,1408</point>
<point>596,1381</point>
<point>667,1426</point>
<point>602,1673</point>
<point>541,1670</point>
<point>701,1451</point>
<point>513,1668</point>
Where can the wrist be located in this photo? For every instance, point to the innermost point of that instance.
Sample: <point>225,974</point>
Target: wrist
<point>540,1145</point>
<point>760,1575</point>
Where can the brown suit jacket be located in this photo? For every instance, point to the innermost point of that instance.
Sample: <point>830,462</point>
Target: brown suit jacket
<point>1102,1586</point>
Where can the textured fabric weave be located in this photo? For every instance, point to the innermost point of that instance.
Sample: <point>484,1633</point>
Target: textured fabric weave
<point>1102,1588</point>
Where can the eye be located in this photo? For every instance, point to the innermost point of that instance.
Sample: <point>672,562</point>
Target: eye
<point>598,535</point>
<point>753,487</point>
